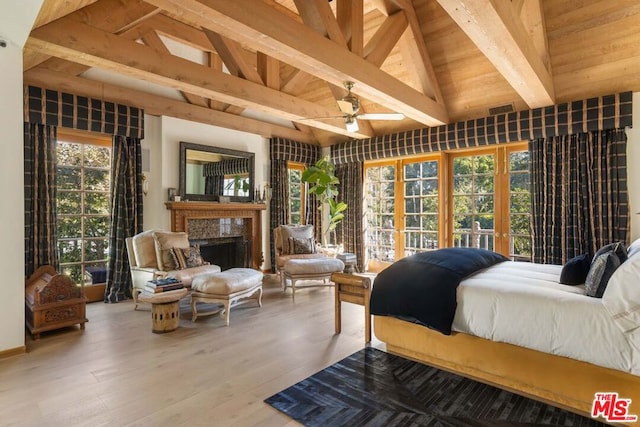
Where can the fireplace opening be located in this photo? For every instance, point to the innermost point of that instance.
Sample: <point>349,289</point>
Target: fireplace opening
<point>227,252</point>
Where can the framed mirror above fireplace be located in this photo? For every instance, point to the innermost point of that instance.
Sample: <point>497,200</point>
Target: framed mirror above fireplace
<point>208,173</point>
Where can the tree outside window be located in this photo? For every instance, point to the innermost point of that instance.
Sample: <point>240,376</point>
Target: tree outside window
<point>83,206</point>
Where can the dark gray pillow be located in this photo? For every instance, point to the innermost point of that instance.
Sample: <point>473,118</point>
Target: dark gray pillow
<point>618,247</point>
<point>575,271</point>
<point>602,268</point>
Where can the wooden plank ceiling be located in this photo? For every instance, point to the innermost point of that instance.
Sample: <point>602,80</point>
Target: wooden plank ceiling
<point>277,67</point>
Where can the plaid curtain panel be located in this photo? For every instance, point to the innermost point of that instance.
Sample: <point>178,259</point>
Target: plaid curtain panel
<point>40,191</point>
<point>279,206</point>
<point>282,151</point>
<point>293,151</point>
<point>351,230</point>
<point>126,214</point>
<point>66,110</point>
<point>579,194</point>
<point>604,112</point>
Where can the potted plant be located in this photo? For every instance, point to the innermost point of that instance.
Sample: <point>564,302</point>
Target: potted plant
<point>324,184</point>
<point>238,183</point>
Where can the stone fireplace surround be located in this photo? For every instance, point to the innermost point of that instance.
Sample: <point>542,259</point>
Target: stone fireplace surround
<point>212,223</point>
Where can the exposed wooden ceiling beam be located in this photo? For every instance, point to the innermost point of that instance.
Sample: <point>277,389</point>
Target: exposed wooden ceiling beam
<point>154,41</point>
<point>350,16</point>
<point>232,56</point>
<point>495,29</point>
<point>78,42</point>
<point>318,15</point>
<point>385,38</point>
<point>414,51</point>
<point>109,15</point>
<point>269,70</point>
<point>271,32</point>
<point>296,82</point>
<point>532,16</point>
<point>173,29</point>
<point>215,63</point>
<point>158,105</point>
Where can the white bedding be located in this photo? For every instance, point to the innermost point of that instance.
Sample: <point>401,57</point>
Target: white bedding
<point>524,304</point>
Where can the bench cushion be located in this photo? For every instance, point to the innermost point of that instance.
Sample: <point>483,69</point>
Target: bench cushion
<point>313,266</point>
<point>226,282</point>
<point>187,275</point>
<point>282,259</point>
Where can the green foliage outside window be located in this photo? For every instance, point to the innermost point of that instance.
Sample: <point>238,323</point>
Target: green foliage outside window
<point>83,206</point>
<point>295,196</point>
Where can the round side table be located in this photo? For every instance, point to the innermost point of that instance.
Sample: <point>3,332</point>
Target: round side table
<point>165,309</point>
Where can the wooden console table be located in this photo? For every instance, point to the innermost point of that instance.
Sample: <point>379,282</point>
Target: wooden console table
<point>355,289</point>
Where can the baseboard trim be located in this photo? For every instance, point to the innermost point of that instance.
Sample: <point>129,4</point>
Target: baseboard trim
<point>13,352</point>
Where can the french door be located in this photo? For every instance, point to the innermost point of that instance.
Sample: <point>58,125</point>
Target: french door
<point>490,200</point>
<point>474,198</point>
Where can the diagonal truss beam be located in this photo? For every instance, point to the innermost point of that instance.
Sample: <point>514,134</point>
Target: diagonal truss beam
<point>159,105</point>
<point>499,33</point>
<point>267,30</point>
<point>78,42</point>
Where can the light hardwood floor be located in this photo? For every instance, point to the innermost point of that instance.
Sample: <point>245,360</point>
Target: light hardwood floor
<point>118,373</point>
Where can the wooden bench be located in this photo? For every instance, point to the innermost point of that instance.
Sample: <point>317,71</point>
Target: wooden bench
<point>355,289</point>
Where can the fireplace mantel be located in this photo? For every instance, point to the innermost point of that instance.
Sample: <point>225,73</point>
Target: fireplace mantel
<point>182,212</point>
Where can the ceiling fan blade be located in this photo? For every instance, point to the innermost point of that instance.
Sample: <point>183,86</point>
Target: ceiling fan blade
<point>345,106</point>
<point>381,116</point>
<point>319,118</point>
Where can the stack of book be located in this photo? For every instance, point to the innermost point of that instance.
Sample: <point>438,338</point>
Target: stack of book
<point>162,285</point>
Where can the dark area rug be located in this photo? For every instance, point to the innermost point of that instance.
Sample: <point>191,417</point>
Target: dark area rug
<point>374,388</point>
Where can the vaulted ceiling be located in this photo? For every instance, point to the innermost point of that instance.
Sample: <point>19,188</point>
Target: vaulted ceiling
<point>278,67</point>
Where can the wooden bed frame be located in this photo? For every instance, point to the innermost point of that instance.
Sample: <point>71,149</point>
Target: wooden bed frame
<point>557,380</point>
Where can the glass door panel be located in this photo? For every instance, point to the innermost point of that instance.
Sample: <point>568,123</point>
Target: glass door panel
<point>519,206</point>
<point>380,213</point>
<point>473,201</point>
<point>421,206</point>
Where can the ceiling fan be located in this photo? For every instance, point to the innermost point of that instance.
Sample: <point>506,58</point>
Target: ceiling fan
<point>349,105</point>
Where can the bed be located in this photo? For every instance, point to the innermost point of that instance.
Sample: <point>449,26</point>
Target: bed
<point>515,326</point>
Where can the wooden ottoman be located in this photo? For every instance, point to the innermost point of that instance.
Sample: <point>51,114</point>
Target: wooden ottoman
<point>309,269</point>
<point>227,288</point>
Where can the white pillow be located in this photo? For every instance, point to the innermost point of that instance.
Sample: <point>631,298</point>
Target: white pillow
<point>621,299</point>
<point>634,248</point>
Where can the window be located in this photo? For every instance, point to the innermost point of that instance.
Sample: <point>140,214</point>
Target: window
<point>297,193</point>
<point>421,200</point>
<point>83,203</point>
<point>380,209</point>
<point>236,185</point>
<point>519,206</point>
<point>472,198</point>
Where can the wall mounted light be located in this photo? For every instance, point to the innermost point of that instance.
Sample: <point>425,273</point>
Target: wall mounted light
<point>146,167</point>
<point>145,184</point>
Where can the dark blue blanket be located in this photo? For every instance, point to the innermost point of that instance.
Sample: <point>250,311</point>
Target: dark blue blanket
<point>422,288</point>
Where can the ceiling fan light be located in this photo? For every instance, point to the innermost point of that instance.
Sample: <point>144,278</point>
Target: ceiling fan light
<point>352,124</point>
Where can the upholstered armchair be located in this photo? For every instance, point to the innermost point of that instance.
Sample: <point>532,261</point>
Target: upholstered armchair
<point>152,255</point>
<point>294,242</point>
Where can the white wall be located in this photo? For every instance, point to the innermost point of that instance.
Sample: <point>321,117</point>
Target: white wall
<point>162,138</point>
<point>12,213</point>
<point>633,168</point>
<point>15,24</point>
